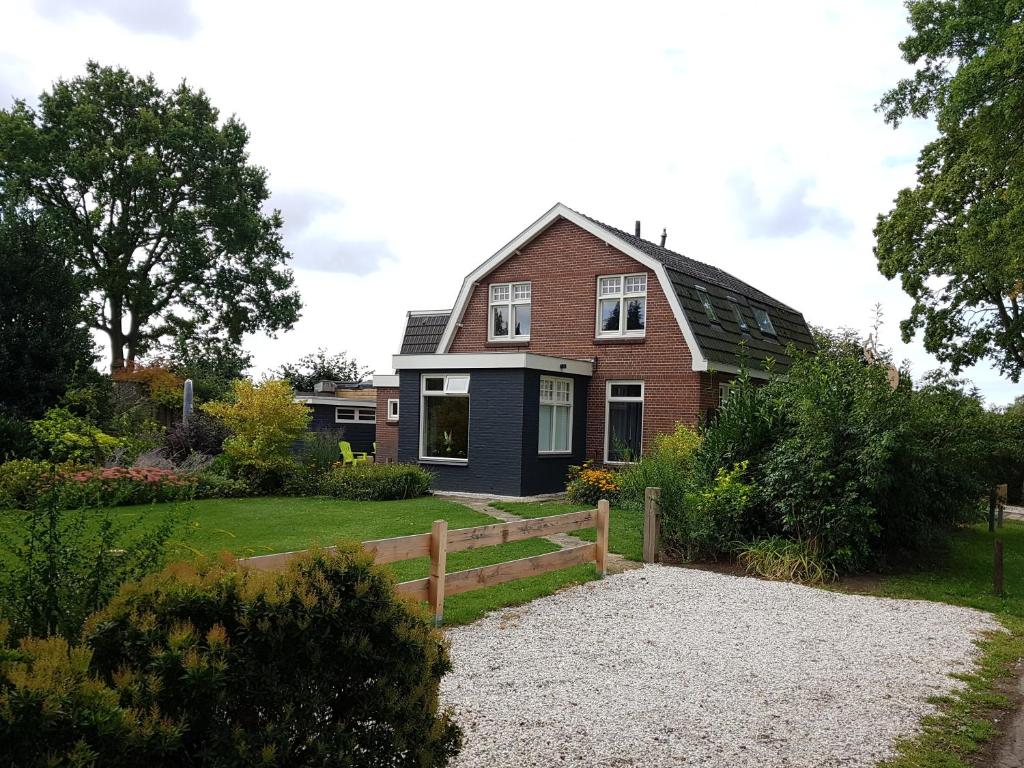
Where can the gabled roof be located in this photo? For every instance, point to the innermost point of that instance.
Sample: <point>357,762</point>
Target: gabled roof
<point>713,345</point>
<point>719,341</point>
<point>423,331</point>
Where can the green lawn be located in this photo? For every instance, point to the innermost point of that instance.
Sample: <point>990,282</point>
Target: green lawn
<point>625,529</point>
<point>965,578</point>
<point>248,527</point>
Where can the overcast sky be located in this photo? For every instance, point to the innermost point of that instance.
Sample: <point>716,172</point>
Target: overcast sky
<point>406,143</point>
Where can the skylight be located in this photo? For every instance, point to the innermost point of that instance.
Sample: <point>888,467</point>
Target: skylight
<point>740,319</point>
<point>709,309</point>
<point>764,322</point>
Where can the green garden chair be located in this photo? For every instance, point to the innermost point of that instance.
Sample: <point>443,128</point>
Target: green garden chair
<point>350,458</point>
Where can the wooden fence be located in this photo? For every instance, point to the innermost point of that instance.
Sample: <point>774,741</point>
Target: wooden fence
<point>440,541</point>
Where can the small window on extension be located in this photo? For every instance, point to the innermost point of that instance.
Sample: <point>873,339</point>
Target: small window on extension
<point>741,321</point>
<point>764,322</point>
<point>709,309</point>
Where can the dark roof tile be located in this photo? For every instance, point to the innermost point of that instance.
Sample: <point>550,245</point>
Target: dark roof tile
<point>423,332</point>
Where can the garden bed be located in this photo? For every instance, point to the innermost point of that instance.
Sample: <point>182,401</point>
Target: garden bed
<point>669,666</point>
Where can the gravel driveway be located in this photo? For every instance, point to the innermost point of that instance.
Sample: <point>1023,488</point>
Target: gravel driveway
<point>669,666</point>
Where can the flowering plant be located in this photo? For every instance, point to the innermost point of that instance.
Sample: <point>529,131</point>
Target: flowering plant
<point>588,484</point>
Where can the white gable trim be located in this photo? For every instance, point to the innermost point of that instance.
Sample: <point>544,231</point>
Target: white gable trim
<point>559,211</point>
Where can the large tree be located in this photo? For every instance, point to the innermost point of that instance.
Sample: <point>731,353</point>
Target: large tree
<point>320,366</point>
<point>158,203</point>
<point>956,239</point>
<point>43,341</point>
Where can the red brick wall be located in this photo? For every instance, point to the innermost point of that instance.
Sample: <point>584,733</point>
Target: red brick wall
<point>387,431</point>
<point>563,264</point>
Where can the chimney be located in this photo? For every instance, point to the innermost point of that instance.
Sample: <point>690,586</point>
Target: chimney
<point>664,236</point>
<point>638,228</point>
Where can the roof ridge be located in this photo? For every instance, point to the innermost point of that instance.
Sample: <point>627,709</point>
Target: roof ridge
<point>658,251</point>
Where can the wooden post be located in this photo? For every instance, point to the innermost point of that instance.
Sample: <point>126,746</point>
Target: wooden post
<point>438,562</point>
<point>998,573</point>
<point>602,537</point>
<point>992,509</point>
<point>1001,494</point>
<point>652,524</point>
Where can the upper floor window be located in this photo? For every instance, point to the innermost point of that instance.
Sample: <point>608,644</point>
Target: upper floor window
<point>709,308</point>
<point>621,305</point>
<point>347,415</point>
<point>764,322</point>
<point>509,311</point>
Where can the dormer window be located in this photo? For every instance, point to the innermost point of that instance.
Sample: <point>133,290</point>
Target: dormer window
<point>510,311</point>
<point>621,305</point>
<point>764,322</point>
<point>741,321</point>
<point>709,308</point>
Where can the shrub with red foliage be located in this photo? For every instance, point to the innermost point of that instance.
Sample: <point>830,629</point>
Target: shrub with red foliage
<point>113,486</point>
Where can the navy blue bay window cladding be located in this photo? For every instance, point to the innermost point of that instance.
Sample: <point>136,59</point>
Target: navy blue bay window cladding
<point>483,435</point>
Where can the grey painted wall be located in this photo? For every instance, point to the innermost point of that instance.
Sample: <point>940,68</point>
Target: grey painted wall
<point>360,435</point>
<point>503,423</point>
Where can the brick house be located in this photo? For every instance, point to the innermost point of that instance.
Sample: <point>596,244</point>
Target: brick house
<point>575,341</point>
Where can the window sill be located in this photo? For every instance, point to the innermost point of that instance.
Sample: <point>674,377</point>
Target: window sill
<point>507,343</point>
<point>554,454</point>
<point>440,460</point>
<point>602,340</point>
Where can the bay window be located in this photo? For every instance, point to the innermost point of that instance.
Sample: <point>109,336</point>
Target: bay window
<point>555,432</point>
<point>624,420</point>
<point>621,305</point>
<point>444,417</point>
<point>510,311</point>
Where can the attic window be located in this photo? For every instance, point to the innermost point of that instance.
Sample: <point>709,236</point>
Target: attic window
<point>709,309</point>
<point>510,305</point>
<point>764,322</point>
<point>741,321</point>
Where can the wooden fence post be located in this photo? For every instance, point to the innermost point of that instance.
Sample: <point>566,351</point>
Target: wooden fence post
<point>652,524</point>
<point>997,578</point>
<point>438,563</point>
<point>601,558</point>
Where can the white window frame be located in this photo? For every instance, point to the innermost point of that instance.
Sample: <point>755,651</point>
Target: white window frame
<point>608,400</point>
<point>393,404</point>
<point>724,393</point>
<point>554,404</point>
<point>357,412</point>
<point>770,330</point>
<point>452,387</point>
<point>510,303</point>
<point>623,296</point>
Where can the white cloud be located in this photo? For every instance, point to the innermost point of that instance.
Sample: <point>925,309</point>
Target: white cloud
<point>162,17</point>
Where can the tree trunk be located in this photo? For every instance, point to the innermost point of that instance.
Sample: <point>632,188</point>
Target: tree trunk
<point>117,339</point>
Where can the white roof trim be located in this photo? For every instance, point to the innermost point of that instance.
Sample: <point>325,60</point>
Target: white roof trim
<point>470,360</point>
<point>343,401</point>
<point>420,312</point>
<point>385,380</point>
<point>559,211</point>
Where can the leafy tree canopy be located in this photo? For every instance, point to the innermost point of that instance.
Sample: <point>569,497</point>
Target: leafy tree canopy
<point>956,239</point>
<point>320,366</point>
<point>158,205</point>
<point>44,340</point>
<point>211,362</point>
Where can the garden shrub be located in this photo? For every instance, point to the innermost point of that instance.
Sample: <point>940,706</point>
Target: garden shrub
<point>668,466</point>
<point>16,441</point>
<point>115,486</point>
<point>587,484</point>
<point>784,559</point>
<point>202,433</point>
<point>376,482</point>
<point>67,437</point>
<point>57,566</point>
<point>265,422</point>
<point>711,521</point>
<point>22,481</point>
<point>322,665</point>
<point>213,485</point>
<point>319,450</point>
<point>53,712</point>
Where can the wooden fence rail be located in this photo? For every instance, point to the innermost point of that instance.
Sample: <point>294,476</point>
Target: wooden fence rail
<point>440,541</point>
